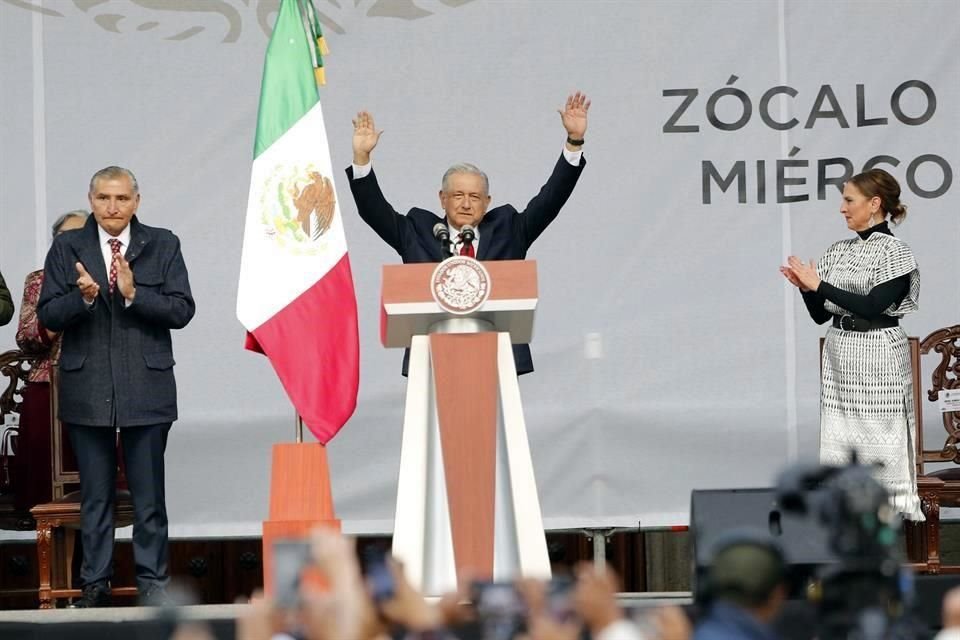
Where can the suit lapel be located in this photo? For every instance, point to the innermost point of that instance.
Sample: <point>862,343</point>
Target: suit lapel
<point>484,247</point>
<point>139,238</point>
<point>433,245</point>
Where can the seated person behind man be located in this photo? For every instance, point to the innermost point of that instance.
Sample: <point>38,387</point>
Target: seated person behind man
<point>6,303</point>
<point>499,234</point>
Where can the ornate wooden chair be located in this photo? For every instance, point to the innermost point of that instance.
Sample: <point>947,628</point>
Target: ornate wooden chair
<point>14,366</point>
<point>938,487</point>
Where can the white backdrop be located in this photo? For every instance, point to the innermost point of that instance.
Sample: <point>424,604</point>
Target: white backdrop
<point>670,355</point>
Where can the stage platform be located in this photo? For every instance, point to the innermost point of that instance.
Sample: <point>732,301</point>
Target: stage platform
<point>152,623</point>
<point>797,621</point>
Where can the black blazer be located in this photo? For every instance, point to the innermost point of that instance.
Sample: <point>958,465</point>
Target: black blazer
<point>116,365</point>
<point>505,233</point>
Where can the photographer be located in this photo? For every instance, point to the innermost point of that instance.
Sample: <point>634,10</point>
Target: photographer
<point>745,588</point>
<point>950,616</point>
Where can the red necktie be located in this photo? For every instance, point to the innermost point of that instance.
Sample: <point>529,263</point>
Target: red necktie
<point>114,251</point>
<point>467,249</point>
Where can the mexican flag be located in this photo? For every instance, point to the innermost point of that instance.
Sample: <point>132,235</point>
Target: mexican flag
<point>296,296</point>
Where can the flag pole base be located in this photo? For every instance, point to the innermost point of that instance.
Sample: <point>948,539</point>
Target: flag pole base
<point>300,498</point>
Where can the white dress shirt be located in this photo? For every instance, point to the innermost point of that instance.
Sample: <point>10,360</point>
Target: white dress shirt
<point>107,254</point>
<point>456,243</point>
<point>105,249</point>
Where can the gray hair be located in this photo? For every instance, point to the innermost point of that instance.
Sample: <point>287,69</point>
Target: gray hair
<point>76,213</point>
<point>465,167</point>
<point>112,173</point>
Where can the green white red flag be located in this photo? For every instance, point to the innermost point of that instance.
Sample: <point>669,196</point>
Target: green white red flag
<point>296,296</point>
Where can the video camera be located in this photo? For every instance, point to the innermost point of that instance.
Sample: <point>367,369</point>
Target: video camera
<point>866,593</point>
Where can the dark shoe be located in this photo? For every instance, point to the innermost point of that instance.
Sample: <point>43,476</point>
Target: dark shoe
<point>155,596</point>
<point>94,595</point>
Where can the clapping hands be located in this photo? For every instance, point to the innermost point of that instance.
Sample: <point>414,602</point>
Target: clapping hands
<point>801,275</point>
<point>88,286</point>
<point>124,277</point>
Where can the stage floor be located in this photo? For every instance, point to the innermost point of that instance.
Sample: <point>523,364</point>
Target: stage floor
<point>210,612</point>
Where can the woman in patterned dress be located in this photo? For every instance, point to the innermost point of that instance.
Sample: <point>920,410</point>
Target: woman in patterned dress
<point>863,286</point>
<point>34,340</point>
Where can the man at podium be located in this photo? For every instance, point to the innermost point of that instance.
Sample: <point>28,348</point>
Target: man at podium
<point>502,233</point>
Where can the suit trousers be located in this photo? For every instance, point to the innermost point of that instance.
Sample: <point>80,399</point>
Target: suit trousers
<point>143,449</point>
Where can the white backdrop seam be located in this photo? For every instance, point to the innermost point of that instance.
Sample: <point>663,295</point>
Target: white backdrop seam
<point>789,316</point>
<point>39,141</point>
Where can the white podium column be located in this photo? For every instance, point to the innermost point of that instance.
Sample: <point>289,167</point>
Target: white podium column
<point>426,537</point>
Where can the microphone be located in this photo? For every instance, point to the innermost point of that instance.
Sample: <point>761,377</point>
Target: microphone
<point>467,234</point>
<point>441,233</point>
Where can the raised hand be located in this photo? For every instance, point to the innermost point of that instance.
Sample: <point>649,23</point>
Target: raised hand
<point>124,278</point>
<point>351,614</point>
<point>671,623</point>
<point>88,286</point>
<point>260,620</point>
<point>543,627</point>
<point>805,273</point>
<point>574,115</point>
<point>365,137</point>
<point>595,597</point>
<point>408,607</point>
<point>540,622</point>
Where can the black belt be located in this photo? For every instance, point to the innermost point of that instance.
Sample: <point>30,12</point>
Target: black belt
<point>856,323</point>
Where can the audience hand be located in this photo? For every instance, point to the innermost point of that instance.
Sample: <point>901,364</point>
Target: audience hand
<point>595,597</point>
<point>671,623</point>
<point>260,621</point>
<point>454,608</point>
<point>345,613</point>
<point>543,627</point>
<point>408,608</point>
<point>540,624</point>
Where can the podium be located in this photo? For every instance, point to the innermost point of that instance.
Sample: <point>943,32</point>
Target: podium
<point>467,501</point>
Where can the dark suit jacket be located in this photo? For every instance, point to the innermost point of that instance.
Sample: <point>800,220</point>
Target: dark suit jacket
<point>505,233</point>
<point>116,365</point>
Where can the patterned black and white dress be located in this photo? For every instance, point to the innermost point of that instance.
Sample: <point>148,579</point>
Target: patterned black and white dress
<point>866,393</point>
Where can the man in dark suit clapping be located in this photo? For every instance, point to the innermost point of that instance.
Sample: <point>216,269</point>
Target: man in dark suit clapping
<point>115,288</point>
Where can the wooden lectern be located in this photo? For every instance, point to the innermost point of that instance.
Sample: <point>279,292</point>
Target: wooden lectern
<point>466,499</point>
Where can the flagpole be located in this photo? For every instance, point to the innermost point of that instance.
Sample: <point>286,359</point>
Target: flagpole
<point>300,492</point>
